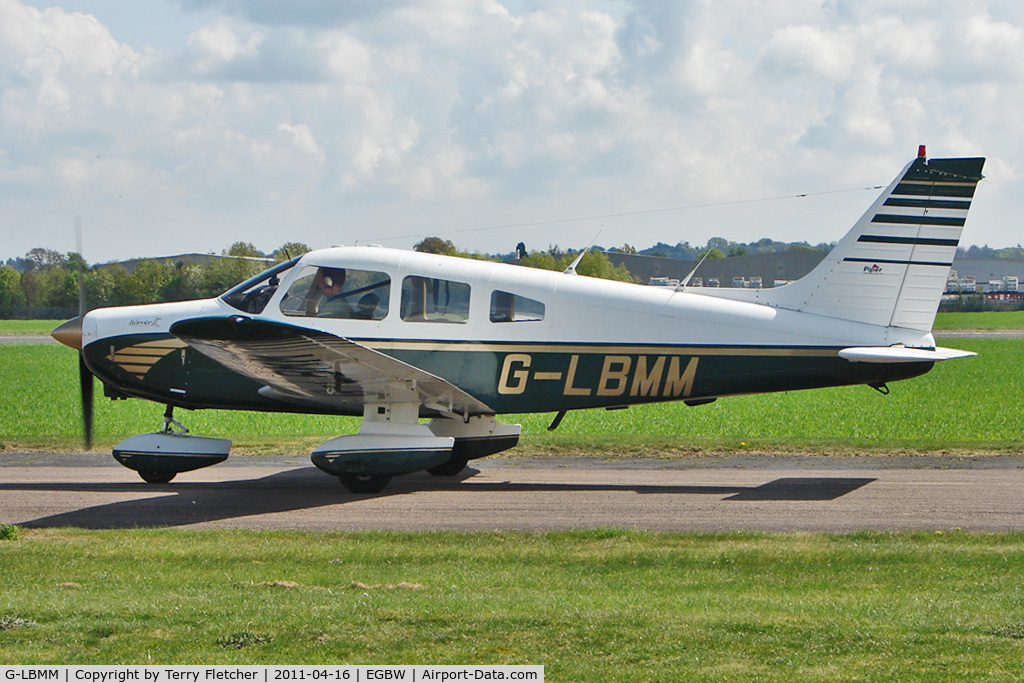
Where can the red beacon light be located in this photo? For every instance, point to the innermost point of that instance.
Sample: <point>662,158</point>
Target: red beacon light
<point>921,152</point>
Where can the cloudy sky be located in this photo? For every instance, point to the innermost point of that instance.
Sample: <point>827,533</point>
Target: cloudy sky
<point>185,125</point>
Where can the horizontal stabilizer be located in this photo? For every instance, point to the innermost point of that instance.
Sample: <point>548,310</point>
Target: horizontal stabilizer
<point>900,354</point>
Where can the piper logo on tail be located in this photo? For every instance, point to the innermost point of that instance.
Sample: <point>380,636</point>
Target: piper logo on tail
<point>873,269</point>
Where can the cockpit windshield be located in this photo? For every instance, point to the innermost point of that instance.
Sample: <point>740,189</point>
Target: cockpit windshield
<point>252,295</point>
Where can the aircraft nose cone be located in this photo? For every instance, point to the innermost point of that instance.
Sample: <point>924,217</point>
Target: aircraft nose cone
<point>69,333</point>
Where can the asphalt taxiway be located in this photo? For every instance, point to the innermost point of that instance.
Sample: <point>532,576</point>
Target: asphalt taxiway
<point>755,492</point>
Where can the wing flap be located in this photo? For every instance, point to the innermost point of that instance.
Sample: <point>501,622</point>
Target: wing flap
<point>315,368</point>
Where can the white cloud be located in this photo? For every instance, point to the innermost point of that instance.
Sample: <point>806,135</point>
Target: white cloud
<point>407,116</point>
<point>218,45</point>
<point>801,51</point>
<point>912,48</point>
<point>303,139</point>
<point>347,59</point>
<point>996,46</point>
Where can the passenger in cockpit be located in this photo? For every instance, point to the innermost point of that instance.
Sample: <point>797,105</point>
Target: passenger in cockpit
<point>366,307</point>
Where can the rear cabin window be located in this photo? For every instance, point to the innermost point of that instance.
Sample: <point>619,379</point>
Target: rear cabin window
<point>507,307</point>
<point>432,300</point>
<point>322,292</point>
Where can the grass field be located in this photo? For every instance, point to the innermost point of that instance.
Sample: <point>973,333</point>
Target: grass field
<point>18,327</point>
<point>595,605</point>
<point>961,404</point>
<point>981,320</point>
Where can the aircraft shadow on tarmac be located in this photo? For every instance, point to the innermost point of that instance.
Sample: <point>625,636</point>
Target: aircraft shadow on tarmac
<point>307,488</point>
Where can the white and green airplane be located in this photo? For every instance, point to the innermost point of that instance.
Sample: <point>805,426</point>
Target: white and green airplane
<point>399,336</point>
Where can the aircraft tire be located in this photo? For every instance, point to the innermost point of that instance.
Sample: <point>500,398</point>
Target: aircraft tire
<point>448,469</point>
<point>363,484</point>
<point>151,477</point>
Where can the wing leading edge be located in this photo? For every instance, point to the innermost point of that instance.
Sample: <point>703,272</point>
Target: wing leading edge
<point>315,368</point>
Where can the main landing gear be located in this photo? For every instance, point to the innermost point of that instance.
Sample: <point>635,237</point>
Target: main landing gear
<point>390,442</point>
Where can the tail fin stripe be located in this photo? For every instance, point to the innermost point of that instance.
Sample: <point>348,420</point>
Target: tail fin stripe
<point>891,239</point>
<point>903,262</point>
<point>918,220</point>
<point>927,203</point>
<point>936,189</point>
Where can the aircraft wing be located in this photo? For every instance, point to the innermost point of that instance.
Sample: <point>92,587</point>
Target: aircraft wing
<point>315,368</point>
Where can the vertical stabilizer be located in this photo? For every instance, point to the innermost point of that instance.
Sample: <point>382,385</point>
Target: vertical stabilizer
<point>891,268</point>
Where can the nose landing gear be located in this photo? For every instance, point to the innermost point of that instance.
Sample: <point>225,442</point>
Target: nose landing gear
<point>159,456</point>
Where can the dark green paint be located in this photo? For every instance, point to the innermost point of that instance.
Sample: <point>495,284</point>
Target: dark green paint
<point>379,462</point>
<point>747,370</point>
<point>162,462</point>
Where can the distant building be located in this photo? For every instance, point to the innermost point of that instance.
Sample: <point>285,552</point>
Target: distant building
<point>1008,271</point>
<point>782,267</point>
<point>1004,296</point>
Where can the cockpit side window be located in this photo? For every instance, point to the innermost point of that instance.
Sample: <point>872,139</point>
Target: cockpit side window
<point>253,295</point>
<point>432,300</point>
<point>507,307</point>
<point>326,292</point>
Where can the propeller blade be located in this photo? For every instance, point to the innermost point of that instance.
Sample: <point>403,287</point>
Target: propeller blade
<point>85,380</point>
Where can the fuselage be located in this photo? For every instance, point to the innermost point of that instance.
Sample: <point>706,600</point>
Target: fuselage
<point>517,339</point>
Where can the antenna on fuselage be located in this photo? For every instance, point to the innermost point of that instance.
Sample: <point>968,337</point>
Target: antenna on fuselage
<point>571,270</point>
<point>686,280</point>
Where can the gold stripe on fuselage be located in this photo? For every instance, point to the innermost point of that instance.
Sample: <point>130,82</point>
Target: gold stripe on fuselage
<point>138,359</point>
<point>579,349</point>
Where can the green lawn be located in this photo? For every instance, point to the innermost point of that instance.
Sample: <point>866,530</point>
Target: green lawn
<point>37,327</point>
<point>588,605</point>
<point>981,320</point>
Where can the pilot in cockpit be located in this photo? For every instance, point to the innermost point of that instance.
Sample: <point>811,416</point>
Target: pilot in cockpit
<point>325,298</point>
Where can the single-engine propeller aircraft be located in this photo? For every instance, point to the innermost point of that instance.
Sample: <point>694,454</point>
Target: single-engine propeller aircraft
<point>399,336</point>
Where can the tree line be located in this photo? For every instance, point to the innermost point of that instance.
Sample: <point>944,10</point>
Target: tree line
<point>595,262</point>
<point>45,283</point>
